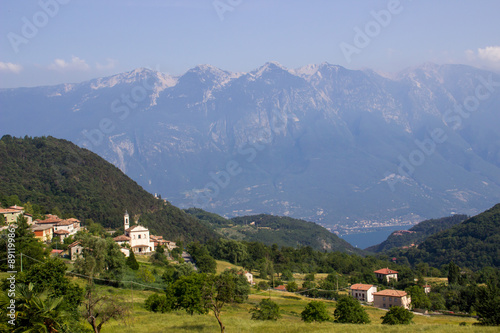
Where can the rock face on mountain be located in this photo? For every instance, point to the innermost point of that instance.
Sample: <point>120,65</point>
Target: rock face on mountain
<point>321,143</point>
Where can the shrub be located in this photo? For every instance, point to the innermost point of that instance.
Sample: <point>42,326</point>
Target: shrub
<point>292,287</point>
<point>315,311</point>
<point>397,315</point>
<point>266,310</point>
<point>158,303</point>
<point>350,311</point>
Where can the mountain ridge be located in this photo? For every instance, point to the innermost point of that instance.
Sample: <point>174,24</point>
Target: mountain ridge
<point>310,143</point>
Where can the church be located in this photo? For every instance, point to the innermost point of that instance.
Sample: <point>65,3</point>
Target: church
<point>137,236</point>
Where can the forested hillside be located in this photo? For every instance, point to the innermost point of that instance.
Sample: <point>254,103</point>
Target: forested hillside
<point>56,175</point>
<point>474,243</point>
<point>417,233</point>
<point>269,229</point>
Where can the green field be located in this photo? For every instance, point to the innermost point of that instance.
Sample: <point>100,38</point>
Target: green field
<point>236,317</point>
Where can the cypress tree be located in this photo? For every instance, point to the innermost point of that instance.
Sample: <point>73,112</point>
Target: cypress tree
<point>132,262</point>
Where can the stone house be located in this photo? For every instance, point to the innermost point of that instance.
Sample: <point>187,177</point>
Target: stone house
<point>388,298</point>
<point>75,250</point>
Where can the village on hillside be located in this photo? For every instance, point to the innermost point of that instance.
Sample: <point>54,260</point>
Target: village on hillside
<point>138,239</point>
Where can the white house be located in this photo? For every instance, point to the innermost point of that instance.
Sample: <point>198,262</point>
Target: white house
<point>363,292</point>
<point>386,274</point>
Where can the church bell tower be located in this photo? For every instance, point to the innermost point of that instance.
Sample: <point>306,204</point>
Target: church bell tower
<point>126,223</point>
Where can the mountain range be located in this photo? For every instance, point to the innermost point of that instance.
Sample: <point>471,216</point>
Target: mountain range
<point>322,143</point>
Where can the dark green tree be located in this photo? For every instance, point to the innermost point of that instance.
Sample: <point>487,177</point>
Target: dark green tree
<point>31,249</point>
<point>397,315</point>
<point>315,311</point>
<point>185,293</point>
<point>292,286</point>
<point>266,310</point>
<point>419,298</point>
<point>350,311</point>
<point>174,272</point>
<point>488,305</point>
<point>206,264</point>
<point>101,258</point>
<point>132,262</point>
<point>453,273</point>
<point>158,303</point>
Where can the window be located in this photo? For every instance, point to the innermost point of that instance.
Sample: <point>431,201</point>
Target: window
<point>384,305</point>
<point>383,298</point>
<point>139,236</point>
<point>390,299</point>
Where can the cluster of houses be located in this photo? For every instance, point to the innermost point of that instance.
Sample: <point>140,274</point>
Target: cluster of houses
<point>45,230</point>
<point>136,237</point>
<point>385,298</point>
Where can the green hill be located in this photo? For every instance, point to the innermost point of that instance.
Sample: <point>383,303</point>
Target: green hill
<point>474,243</point>
<point>417,233</point>
<point>282,231</point>
<point>58,175</point>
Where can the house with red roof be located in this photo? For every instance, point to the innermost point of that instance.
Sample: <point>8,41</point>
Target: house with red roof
<point>363,292</point>
<point>386,274</point>
<point>388,298</point>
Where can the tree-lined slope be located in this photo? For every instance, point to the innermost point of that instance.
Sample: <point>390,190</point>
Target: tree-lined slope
<point>55,173</point>
<point>270,229</point>
<point>417,233</point>
<point>474,243</point>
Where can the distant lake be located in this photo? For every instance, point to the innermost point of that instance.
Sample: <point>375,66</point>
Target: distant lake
<point>364,240</point>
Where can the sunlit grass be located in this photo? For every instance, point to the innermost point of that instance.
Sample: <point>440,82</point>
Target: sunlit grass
<point>237,319</point>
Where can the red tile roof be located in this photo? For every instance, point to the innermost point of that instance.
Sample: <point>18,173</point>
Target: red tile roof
<point>9,210</point>
<point>360,286</point>
<point>58,232</point>
<point>281,287</point>
<point>385,271</point>
<point>64,222</point>
<point>391,293</point>
<point>74,244</point>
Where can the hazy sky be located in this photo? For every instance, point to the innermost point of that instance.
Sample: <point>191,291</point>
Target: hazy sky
<point>75,40</point>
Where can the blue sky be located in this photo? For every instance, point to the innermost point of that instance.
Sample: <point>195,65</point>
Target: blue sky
<point>76,40</point>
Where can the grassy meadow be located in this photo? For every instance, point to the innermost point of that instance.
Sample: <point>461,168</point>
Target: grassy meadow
<point>236,317</point>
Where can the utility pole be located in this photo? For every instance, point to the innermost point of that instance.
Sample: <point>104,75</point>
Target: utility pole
<point>21,262</point>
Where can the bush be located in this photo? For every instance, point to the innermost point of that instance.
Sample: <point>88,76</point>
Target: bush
<point>292,287</point>
<point>158,303</point>
<point>350,311</point>
<point>397,315</point>
<point>266,310</point>
<point>262,285</point>
<point>315,311</point>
